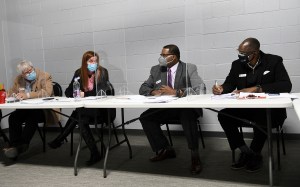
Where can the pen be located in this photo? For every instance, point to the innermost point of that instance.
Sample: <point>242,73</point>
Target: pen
<point>216,84</point>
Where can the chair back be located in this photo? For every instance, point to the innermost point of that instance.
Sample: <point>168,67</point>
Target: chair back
<point>57,91</point>
<point>111,90</point>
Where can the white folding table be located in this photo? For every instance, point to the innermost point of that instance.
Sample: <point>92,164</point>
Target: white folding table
<point>201,101</point>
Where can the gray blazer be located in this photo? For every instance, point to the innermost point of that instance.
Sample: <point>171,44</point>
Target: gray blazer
<point>186,76</point>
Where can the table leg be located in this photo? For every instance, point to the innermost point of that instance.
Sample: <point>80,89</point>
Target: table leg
<point>79,145</point>
<point>270,151</point>
<point>125,136</point>
<point>108,146</point>
<point>77,154</point>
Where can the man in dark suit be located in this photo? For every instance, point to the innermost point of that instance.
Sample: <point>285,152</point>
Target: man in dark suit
<point>171,77</point>
<point>254,71</point>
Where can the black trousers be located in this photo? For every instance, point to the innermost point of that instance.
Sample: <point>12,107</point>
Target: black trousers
<point>231,125</point>
<point>151,125</point>
<point>87,117</point>
<point>30,117</point>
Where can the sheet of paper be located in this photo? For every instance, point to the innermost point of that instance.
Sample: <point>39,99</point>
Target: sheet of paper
<point>225,96</point>
<point>160,99</point>
<point>32,101</point>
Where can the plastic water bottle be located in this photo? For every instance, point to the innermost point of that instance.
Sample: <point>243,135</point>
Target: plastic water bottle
<point>76,88</point>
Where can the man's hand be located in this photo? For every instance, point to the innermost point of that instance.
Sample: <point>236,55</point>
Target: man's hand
<point>21,96</point>
<point>166,90</point>
<point>217,90</point>
<point>156,93</point>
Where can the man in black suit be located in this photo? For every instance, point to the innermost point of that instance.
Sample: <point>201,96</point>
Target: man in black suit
<point>254,71</point>
<point>171,77</point>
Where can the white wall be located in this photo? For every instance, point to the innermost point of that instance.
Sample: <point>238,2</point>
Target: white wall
<point>129,35</point>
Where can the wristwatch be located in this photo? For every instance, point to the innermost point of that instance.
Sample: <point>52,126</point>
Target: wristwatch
<point>178,93</point>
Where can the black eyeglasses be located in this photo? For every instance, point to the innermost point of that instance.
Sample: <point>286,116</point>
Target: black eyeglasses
<point>165,55</point>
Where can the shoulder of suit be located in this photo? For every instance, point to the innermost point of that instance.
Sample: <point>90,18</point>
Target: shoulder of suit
<point>271,58</point>
<point>40,72</point>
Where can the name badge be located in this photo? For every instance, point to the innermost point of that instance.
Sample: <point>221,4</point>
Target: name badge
<point>266,72</point>
<point>242,75</point>
<point>157,82</point>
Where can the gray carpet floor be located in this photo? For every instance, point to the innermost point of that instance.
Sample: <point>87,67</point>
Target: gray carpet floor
<point>55,166</point>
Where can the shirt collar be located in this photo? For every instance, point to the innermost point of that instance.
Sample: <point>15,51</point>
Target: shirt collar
<point>174,68</point>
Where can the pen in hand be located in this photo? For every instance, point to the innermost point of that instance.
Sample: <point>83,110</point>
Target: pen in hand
<point>217,89</point>
<point>217,85</point>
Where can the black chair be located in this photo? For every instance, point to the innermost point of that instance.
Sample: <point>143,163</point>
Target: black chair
<point>5,138</point>
<point>96,122</point>
<point>279,135</point>
<point>177,122</point>
<point>100,122</point>
<point>57,91</point>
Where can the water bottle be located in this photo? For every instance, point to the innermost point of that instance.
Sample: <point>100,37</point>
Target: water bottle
<point>202,89</point>
<point>76,88</point>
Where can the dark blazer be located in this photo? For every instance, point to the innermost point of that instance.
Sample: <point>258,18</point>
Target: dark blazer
<point>102,84</point>
<point>186,76</point>
<point>272,77</point>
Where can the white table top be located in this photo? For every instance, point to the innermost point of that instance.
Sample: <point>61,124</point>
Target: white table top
<point>36,104</point>
<point>197,101</point>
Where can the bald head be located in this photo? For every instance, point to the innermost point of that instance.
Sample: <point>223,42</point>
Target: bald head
<point>250,44</point>
<point>250,48</point>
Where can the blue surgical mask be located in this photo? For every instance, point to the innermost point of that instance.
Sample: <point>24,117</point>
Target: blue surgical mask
<point>31,76</point>
<point>92,67</point>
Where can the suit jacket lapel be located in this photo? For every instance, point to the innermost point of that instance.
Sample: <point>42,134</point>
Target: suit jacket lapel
<point>163,75</point>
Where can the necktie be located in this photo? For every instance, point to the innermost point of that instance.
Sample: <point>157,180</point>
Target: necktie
<point>170,78</point>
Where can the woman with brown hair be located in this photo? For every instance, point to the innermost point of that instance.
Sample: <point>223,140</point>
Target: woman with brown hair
<point>92,79</point>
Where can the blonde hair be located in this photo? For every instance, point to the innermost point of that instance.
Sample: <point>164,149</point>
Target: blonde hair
<point>24,65</point>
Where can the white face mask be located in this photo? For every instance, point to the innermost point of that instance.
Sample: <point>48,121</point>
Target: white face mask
<point>163,61</point>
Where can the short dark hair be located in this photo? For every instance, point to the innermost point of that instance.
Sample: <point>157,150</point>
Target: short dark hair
<point>173,49</point>
<point>253,43</point>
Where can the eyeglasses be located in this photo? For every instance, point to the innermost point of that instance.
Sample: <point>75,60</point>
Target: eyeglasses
<point>165,55</point>
<point>245,53</point>
<point>27,72</point>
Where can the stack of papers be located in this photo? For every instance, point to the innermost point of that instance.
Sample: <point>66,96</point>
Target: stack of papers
<point>247,95</point>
